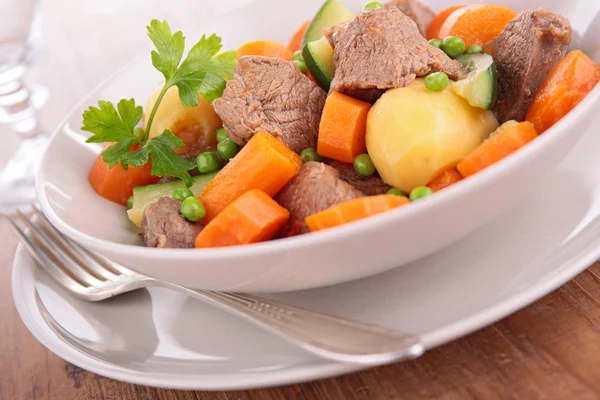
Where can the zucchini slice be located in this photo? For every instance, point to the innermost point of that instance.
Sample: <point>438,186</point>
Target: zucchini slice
<point>331,13</point>
<point>480,87</point>
<point>318,56</point>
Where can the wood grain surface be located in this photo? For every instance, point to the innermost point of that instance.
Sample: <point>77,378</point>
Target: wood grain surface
<point>550,350</point>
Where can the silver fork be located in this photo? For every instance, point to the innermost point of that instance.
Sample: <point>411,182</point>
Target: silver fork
<point>93,278</point>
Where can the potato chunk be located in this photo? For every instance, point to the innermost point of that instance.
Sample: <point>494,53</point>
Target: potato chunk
<point>195,126</point>
<point>413,133</point>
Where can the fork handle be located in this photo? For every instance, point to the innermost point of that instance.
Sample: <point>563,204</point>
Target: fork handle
<point>326,336</point>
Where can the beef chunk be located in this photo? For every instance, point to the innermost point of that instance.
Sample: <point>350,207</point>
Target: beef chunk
<point>415,10</point>
<point>272,95</point>
<point>333,30</point>
<point>371,186</point>
<point>383,49</point>
<point>163,226</point>
<point>316,188</point>
<point>525,53</point>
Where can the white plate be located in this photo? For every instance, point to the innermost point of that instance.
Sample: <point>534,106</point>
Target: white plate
<point>353,251</point>
<point>159,338</point>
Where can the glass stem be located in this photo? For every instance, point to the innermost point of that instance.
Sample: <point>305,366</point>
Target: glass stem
<point>16,108</point>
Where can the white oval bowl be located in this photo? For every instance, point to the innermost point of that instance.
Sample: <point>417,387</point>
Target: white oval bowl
<point>350,252</point>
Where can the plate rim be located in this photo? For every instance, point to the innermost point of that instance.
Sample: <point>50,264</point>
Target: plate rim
<point>34,322</point>
<point>290,375</point>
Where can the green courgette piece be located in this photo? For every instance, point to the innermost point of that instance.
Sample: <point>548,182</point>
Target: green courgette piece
<point>144,195</point>
<point>331,13</point>
<point>480,87</point>
<point>318,56</point>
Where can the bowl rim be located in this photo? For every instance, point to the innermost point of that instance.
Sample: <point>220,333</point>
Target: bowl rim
<point>470,185</point>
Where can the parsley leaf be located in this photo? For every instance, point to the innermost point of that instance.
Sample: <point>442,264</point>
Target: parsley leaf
<point>113,154</point>
<point>164,159</point>
<point>108,125</point>
<point>204,71</point>
<point>170,47</point>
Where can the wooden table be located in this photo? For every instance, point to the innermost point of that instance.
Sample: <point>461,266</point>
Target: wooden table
<point>550,350</point>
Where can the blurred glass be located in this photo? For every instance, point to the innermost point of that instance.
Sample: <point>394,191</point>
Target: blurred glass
<point>19,34</point>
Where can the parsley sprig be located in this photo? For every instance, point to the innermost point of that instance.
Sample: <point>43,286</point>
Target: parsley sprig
<point>203,72</point>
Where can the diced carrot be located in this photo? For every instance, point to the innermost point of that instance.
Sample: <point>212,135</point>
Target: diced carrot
<point>296,40</point>
<point>264,163</point>
<point>447,178</point>
<point>566,86</point>
<point>507,141</point>
<point>343,128</point>
<point>354,210</point>
<point>433,30</point>
<point>267,48</point>
<point>117,184</point>
<point>253,217</point>
<point>477,23</point>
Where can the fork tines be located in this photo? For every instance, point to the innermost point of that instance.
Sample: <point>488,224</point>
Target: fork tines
<point>71,265</point>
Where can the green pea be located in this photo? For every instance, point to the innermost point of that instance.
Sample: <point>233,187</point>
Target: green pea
<point>453,46</point>
<point>420,192</point>
<point>182,193</point>
<point>222,135</point>
<point>474,49</point>
<point>363,165</point>
<point>298,56</point>
<point>436,43</point>
<point>227,149</point>
<point>309,154</point>
<point>372,4</point>
<point>301,65</point>
<point>437,81</point>
<point>130,203</point>
<point>192,209</point>
<point>207,162</point>
<point>396,192</point>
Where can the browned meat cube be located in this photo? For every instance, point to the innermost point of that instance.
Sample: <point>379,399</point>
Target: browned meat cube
<point>316,188</point>
<point>415,10</point>
<point>383,49</point>
<point>525,53</point>
<point>271,95</point>
<point>370,186</point>
<point>163,226</point>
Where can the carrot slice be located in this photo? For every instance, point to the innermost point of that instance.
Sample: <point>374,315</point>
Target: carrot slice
<point>343,128</point>
<point>477,23</point>
<point>295,43</point>
<point>117,184</point>
<point>573,78</point>
<point>505,142</point>
<point>264,163</point>
<point>267,48</point>
<point>354,210</point>
<point>433,30</point>
<point>253,217</point>
<point>447,178</point>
